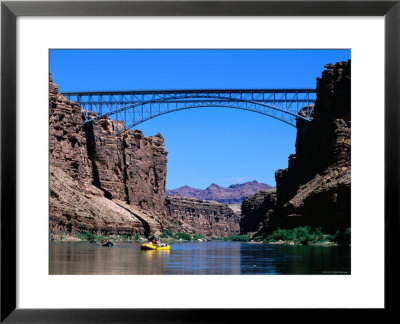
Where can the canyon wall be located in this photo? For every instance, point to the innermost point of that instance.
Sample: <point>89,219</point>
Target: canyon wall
<point>257,212</point>
<point>67,141</point>
<point>75,210</point>
<point>315,188</point>
<point>208,218</point>
<point>128,169</point>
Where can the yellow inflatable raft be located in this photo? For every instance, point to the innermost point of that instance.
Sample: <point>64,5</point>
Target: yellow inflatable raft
<point>147,246</point>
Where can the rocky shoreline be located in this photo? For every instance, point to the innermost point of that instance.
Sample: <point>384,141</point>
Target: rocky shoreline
<point>189,238</point>
<point>71,238</point>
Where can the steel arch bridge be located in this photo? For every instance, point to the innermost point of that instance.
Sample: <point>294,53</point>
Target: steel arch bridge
<point>135,107</point>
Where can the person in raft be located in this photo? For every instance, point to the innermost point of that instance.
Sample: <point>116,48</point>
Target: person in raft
<point>154,242</point>
<point>108,243</point>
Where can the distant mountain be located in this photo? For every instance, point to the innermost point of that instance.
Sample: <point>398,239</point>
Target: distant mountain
<point>232,195</point>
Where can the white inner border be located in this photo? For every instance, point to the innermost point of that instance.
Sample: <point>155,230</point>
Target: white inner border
<point>363,288</point>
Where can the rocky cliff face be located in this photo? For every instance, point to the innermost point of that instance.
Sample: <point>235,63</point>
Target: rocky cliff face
<point>67,141</point>
<point>315,188</point>
<point>75,210</point>
<point>257,211</point>
<point>233,194</point>
<point>130,168</point>
<point>207,218</point>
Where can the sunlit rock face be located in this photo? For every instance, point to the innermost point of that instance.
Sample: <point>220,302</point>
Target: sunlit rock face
<point>75,210</point>
<point>129,168</point>
<point>208,218</point>
<point>67,141</point>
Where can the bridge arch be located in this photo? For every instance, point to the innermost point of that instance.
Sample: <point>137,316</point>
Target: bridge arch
<point>216,105</point>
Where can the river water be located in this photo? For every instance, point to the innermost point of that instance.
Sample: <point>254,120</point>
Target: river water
<point>198,258</point>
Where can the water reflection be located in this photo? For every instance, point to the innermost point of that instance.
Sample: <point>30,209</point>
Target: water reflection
<point>204,258</point>
<point>198,258</point>
<point>85,258</point>
<point>297,259</point>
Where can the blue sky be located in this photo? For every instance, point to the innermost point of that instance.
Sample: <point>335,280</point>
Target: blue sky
<point>208,145</point>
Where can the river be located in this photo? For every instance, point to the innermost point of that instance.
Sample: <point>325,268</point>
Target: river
<point>213,257</point>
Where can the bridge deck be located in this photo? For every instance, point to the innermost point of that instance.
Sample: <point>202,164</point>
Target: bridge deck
<point>181,91</point>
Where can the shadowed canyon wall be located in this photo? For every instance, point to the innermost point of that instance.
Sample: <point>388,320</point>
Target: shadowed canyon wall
<point>257,212</point>
<point>315,188</point>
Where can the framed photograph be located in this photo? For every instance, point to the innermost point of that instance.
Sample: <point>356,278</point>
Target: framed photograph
<point>276,121</point>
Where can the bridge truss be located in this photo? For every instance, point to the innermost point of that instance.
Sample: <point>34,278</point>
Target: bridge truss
<point>135,107</point>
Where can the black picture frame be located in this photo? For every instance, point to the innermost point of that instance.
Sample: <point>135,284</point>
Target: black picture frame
<point>10,10</point>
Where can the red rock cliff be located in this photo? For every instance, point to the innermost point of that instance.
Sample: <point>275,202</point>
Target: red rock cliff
<point>130,167</point>
<point>208,218</point>
<point>129,170</point>
<point>67,141</point>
